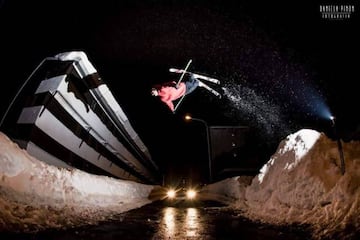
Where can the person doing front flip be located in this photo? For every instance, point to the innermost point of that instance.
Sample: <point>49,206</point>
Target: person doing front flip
<point>170,91</point>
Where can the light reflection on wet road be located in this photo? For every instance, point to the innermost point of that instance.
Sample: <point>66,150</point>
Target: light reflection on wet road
<point>179,223</point>
<point>159,222</point>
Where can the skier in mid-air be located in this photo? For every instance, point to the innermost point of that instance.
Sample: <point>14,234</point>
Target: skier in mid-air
<point>171,91</point>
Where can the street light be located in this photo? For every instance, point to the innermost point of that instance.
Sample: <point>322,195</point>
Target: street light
<point>341,153</point>
<point>189,118</point>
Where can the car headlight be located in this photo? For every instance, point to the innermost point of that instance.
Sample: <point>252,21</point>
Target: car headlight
<point>171,194</point>
<point>190,194</point>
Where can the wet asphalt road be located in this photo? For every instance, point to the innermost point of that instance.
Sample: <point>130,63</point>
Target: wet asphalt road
<point>180,221</point>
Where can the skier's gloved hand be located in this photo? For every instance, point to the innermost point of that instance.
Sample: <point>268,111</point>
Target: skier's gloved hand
<point>176,85</point>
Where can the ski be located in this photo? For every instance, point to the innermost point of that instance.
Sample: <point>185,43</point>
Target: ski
<point>209,89</point>
<point>206,78</point>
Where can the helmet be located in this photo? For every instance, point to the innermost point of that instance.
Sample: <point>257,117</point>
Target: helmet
<point>154,92</point>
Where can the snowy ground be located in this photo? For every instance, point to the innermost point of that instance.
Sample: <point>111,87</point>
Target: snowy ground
<point>301,184</point>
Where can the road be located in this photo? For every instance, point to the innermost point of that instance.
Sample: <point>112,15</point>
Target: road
<point>160,221</point>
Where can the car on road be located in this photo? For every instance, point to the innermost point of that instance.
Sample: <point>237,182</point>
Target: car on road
<point>181,193</point>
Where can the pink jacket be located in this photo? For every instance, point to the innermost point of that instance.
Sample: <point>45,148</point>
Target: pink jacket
<point>168,93</point>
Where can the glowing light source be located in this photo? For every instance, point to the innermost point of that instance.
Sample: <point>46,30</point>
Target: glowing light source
<point>332,118</point>
<point>190,194</point>
<point>171,194</point>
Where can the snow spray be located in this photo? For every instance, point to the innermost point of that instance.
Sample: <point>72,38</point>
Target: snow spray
<point>248,106</point>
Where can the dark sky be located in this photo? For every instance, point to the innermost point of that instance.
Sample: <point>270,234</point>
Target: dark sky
<point>285,64</point>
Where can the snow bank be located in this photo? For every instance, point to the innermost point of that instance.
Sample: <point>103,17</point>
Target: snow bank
<point>221,192</point>
<point>302,183</point>
<point>35,196</point>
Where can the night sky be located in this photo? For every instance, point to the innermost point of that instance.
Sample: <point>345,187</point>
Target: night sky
<point>282,65</point>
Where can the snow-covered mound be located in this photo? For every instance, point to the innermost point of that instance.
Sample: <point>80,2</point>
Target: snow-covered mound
<point>227,191</point>
<point>302,183</point>
<point>36,196</point>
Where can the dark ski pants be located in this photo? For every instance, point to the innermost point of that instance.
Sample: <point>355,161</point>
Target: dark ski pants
<point>191,84</point>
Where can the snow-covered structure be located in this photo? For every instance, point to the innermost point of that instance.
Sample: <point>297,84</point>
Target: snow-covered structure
<point>302,184</point>
<point>66,116</point>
